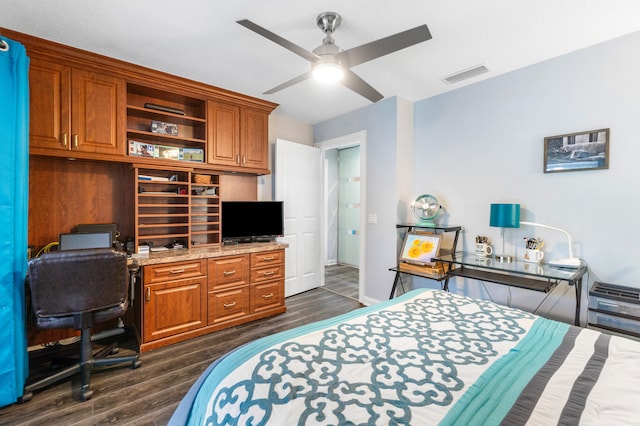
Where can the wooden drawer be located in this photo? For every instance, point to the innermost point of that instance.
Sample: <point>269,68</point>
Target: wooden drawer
<point>228,271</point>
<point>267,258</point>
<point>228,304</point>
<point>267,273</point>
<point>174,271</point>
<point>267,296</point>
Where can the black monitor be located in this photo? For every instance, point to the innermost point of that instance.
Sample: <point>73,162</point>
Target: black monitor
<point>87,240</point>
<point>245,221</point>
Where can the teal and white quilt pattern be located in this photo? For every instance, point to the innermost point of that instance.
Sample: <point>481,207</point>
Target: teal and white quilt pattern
<point>377,365</point>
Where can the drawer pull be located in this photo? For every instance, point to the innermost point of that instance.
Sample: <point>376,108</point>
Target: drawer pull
<point>229,305</point>
<point>227,273</point>
<point>176,271</point>
<point>65,140</point>
<point>268,273</point>
<point>148,294</point>
<point>75,141</point>
<point>267,296</point>
<point>268,259</point>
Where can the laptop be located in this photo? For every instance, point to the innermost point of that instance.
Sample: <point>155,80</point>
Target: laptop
<point>85,240</point>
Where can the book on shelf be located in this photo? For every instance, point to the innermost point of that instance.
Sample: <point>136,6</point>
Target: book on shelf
<point>149,177</point>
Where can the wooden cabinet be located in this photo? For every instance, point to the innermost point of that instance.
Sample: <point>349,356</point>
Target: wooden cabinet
<point>238,137</point>
<point>254,144</point>
<point>184,299</point>
<point>174,299</point>
<point>267,281</point>
<point>165,126</point>
<point>74,109</point>
<point>176,205</point>
<point>224,134</point>
<point>228,297</point>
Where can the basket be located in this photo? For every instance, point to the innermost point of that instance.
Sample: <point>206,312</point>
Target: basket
<point>202,179</point>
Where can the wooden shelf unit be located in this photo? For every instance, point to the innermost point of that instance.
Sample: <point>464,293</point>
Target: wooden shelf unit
<point>191,123</point>
<point>171,207</point>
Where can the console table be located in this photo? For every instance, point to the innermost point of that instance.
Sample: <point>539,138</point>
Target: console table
<point>520,274</point>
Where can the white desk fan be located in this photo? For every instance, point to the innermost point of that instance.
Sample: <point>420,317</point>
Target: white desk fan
<point>426,208</point>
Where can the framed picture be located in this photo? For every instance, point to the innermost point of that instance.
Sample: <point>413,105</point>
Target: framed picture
<point>420,247</point>
<point>577,151</point>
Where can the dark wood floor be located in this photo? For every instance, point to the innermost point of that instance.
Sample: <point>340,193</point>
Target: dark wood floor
<point>343,280</point>
<point>150,394</point>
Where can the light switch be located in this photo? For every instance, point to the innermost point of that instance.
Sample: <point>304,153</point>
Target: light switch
<point>373,218</point>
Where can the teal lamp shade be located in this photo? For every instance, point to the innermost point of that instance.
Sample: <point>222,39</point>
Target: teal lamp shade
<point>505,215</point>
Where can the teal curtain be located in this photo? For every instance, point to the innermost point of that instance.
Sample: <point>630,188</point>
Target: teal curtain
<point>14,206</point>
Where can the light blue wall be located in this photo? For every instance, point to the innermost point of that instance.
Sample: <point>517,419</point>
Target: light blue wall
<point>483,144</point>
<point>379,120</point>
<point>486,145</point>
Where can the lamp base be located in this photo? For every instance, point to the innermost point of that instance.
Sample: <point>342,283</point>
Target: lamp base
<point>504,258</point>
<point>570,262</point>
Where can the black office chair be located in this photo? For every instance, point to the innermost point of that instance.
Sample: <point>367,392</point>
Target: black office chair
<point>77,289</point>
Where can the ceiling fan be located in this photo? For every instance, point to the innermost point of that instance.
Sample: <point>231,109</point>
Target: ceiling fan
<point>330,61</point>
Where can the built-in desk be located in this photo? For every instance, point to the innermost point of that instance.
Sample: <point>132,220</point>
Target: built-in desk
<point>520,274</point>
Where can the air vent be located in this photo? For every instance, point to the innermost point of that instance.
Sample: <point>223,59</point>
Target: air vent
<point>465,74</point>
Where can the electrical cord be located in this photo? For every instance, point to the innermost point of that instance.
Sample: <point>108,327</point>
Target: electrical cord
<point>47,248</point>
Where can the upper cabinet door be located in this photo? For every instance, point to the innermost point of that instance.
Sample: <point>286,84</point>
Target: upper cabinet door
<point>223,134</point>
<point>97,112</point>
<point>254,144</point>
<point>75,109</point>
<point>49,91</point>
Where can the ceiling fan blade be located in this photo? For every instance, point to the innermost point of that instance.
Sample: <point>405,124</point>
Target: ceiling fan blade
<point>384,46</point>
<point>295,80</point>
<point>278,40</point>
<point>361,87</point>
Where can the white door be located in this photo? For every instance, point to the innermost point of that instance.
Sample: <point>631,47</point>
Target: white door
<point>297,183</point>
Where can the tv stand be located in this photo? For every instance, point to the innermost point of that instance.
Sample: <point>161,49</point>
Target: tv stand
<point>236,241</point>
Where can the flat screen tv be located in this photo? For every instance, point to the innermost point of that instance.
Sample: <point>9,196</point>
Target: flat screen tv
<point>247,221</point>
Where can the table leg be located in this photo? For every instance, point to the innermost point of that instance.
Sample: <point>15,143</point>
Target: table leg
<point>578,286</point>
<point>395,285</point>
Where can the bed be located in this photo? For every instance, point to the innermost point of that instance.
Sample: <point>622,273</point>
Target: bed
<point>426,357</point>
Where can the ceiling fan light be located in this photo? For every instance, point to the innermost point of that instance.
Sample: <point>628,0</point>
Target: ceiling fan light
<point>328,73</point>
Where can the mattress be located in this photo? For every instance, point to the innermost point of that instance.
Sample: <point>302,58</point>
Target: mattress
<point>426,357</point>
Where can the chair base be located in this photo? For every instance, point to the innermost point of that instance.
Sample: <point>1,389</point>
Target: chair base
<point>84,366</point>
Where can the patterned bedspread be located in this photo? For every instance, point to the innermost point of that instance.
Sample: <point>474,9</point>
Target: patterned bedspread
<point>427,357</point>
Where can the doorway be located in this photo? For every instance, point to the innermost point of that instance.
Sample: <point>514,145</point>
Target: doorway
<point>343,211</point>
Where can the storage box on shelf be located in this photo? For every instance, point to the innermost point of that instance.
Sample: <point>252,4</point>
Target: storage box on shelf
<point>171,208</point>
<point>616,308</point>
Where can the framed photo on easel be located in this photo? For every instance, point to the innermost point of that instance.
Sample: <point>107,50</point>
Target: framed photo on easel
<point>420,247</point>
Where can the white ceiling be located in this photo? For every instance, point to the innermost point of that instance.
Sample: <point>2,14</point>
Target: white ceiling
<point>200,40</point>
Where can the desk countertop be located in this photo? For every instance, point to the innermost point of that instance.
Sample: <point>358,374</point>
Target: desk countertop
<point>179,255</point>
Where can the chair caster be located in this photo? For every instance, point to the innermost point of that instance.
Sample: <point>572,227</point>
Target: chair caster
<point>25,398</point>
<point>136,364</point>
<point>86,395</point>
<point>115,350</point>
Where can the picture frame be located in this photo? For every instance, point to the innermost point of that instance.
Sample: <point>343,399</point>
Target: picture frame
<point>420,247</point>
<point>587,150</point>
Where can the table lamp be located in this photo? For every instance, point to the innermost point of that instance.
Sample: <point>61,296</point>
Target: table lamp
<point>504,216</point>
<point>508,216</point>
